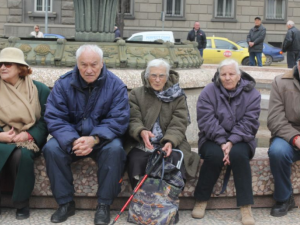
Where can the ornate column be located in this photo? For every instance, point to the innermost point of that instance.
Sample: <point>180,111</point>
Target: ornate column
<point>95,19</point>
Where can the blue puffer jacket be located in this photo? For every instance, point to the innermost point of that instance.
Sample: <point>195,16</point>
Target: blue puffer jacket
<point>69,115</point>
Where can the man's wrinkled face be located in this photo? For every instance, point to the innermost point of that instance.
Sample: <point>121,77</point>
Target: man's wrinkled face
<point>197,26</point>
<point>89,65</point>
<point>257,22</point>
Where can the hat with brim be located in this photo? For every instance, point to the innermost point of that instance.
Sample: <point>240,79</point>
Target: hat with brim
<point>13,55</point>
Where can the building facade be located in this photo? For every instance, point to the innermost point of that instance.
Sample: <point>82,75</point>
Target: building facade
<point>224,18</point>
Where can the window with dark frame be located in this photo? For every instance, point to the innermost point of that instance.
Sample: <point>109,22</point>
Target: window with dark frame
<point>40,5</point>
<point>128,7</point>
<point>275,9</point>
<point>174,8</point>
<point>224,8</point>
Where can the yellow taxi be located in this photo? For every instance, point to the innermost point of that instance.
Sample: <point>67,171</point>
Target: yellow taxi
<point>219,48</point>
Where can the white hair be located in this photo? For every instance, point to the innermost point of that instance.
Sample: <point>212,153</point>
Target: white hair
<point>157,63</point>
<point>227,62</point>
<point>290,22</point>
<point>93,48</point>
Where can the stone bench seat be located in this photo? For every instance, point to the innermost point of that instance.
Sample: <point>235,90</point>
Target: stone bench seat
<point>85,179</point>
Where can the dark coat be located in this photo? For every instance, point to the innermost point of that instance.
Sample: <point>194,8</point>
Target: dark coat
<point>70,115</point>
<point>229,115</point>
<point>257,35</point>
<point>25,171</point>
<point>284,107</point>
<point>201,38</point>
<point>117,33</point>
<point>145,108</point>
<point>292,40</point>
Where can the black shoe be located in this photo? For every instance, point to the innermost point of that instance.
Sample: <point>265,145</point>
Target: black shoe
<point>22,214</point>
<point>63,212</point>
<point>281,208</point>
<point>102,215</point>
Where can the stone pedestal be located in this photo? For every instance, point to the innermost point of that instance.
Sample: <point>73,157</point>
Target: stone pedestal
<point>95,19</point>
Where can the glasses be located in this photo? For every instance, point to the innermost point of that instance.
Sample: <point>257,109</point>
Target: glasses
<point>160,76</point>
<point>6,64</point>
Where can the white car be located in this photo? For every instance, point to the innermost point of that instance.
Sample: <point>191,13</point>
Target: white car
<point>152,36</point>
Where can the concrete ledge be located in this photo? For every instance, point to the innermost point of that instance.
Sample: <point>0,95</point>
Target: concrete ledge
<point>85,183</point>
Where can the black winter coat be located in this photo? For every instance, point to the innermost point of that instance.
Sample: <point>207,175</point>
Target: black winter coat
<point>201,38</point>
<point>292,40</point>
<point>257,35</point>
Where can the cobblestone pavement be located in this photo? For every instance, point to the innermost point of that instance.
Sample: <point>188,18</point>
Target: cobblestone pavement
<point>222,217</point>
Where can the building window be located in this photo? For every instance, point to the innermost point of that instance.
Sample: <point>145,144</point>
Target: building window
<point>224,8</point>
<point>40,5</point>
<point>128,7</point>
<point>276,9</point>
<point>174,8</point>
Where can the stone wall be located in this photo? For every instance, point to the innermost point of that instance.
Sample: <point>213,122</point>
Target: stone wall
<point>147,17</point>
<point>4,12</point>
<point>147,13</point>
<point>67,12</point>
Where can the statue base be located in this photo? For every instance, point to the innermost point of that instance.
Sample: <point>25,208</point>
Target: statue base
<point>94,36</point>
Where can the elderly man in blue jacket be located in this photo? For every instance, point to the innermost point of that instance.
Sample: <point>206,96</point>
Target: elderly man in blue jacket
<point>87,114</point>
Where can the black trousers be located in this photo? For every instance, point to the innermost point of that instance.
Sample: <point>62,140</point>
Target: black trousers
<point>239,157</point>
<point>292,57</point>
<point>11,169</point>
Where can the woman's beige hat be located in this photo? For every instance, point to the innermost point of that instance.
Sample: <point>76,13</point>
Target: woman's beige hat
<point>13,55</point>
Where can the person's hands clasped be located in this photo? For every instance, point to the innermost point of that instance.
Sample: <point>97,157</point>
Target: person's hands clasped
<point>251,44</point>
<point>167,149</point>
<point>21,137</point>
<point>146,135</point>
<point>226,149</point>
<point>8,136</point>
<point>83,145</point>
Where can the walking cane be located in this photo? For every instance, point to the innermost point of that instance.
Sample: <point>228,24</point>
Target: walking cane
<point>162,153</point>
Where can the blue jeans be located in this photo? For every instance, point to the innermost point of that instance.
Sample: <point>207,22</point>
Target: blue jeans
<point>201,51</point>
<point>110,159</point>
<point>282,155</point>
<point>252,56</point>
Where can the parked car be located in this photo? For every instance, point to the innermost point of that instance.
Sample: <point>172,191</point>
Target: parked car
<point>219,48</point>
<point>54,36</point>
<point>152,36</point>
<point>272,53</point>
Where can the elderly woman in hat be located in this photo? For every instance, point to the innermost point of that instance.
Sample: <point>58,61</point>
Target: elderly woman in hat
<point>158,118</point>
<point>227,113</point>
<point>23,130</point>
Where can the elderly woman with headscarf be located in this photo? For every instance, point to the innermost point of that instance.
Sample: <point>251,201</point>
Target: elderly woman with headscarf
<point>23,130</point>
<point>158,117</point>
<point>227,112</point>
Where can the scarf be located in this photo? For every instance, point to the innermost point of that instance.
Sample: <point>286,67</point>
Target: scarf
<point>19,108</point>
<point>168,95</point>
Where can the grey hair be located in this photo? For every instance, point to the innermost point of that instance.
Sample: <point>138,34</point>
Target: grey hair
<point>93,48</point>
<point>157,63</point>
<point>290,22</point>
<point>36,26</point>
<point>227,62</point>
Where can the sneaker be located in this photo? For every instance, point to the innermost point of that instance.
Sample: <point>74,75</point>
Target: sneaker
<point>281,208</point>
<point>102,215</point>
<point>247,217</point>
<point>199,210</point>
<point>63,212</point>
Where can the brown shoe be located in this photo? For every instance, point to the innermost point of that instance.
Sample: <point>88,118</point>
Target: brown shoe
<point>247,217</point>
<point>199,210</point>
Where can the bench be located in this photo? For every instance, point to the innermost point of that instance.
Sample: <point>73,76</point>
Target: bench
<point>85,183</point>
